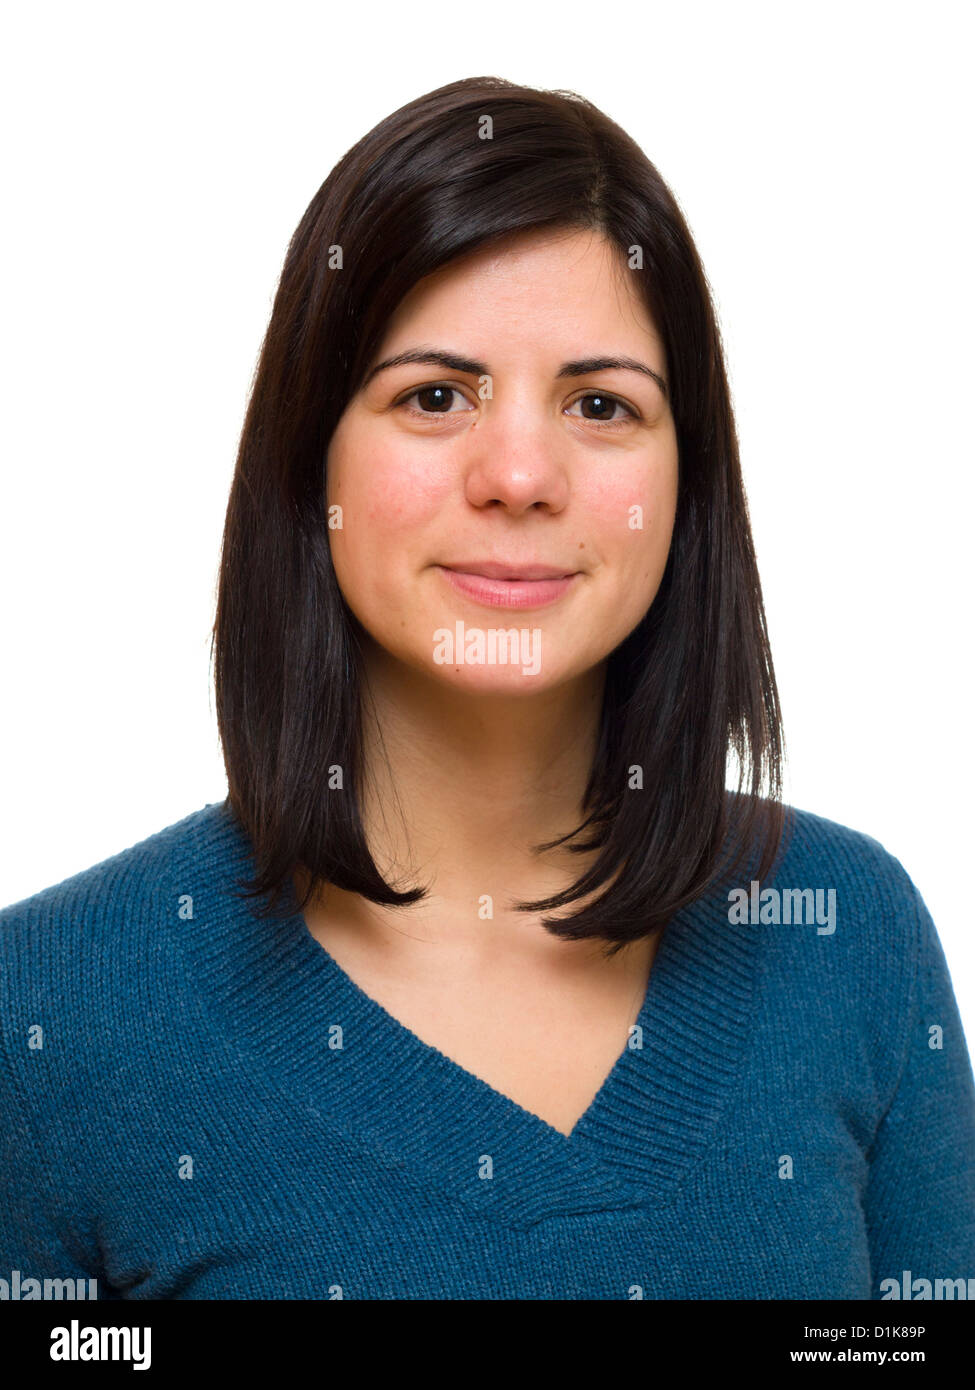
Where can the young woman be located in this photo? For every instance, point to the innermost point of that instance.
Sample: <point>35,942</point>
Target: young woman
<point>482,982</point>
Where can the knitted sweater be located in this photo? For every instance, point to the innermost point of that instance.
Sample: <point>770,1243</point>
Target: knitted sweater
<point>196,1103</point>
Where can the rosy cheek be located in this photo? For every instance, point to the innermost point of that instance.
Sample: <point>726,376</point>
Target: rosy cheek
<point>618,498</point>
<point>405,492</point>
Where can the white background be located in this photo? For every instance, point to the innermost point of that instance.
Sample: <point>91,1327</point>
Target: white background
<point>157,160</point>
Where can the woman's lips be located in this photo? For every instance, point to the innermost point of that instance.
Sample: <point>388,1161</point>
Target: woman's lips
<point>508,593</point>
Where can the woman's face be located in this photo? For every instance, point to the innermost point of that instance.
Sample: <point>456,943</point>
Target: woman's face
<point>519,453</point>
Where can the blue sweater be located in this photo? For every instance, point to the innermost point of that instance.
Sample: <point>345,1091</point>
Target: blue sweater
<point>198,1104</point>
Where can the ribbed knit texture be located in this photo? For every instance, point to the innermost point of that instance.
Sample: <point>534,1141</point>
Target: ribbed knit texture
<point>216,1110</point>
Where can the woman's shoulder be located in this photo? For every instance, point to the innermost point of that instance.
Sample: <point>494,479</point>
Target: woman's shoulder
<point>845,933</point>
<point>95,1006</point>
<point>820,853</point>
<point>849,888</point>
<point>116,905</point>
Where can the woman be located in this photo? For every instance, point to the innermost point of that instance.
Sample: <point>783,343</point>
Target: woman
<point>488,627</point>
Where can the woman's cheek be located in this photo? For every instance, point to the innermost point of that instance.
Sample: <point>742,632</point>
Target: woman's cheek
<point>405,492</point>
<point>618,506</point>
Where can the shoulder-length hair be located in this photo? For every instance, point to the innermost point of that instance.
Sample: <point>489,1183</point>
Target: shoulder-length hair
<point>691,686</point>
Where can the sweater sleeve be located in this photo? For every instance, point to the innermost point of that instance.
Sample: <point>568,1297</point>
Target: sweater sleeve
<point>919,1203</point>
<point>30,1246</point>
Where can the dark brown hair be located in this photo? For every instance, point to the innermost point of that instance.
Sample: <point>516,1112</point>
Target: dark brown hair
<point>690,685</point>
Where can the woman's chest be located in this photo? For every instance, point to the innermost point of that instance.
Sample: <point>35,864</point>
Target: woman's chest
<point>545,1041</point>
<point>550,1061</point>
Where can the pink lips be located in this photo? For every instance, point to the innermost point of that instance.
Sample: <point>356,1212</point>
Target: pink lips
<point>509,586</point>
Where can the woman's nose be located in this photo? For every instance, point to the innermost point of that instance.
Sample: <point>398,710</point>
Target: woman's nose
<point>516,456</point>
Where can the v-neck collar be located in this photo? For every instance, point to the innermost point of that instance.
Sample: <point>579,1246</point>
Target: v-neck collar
<point>344,1058</point>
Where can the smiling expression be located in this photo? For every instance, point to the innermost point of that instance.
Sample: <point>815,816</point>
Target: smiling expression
<point>510,461</point>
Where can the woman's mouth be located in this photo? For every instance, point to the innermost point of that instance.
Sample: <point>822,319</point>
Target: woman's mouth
<point>499,586</point>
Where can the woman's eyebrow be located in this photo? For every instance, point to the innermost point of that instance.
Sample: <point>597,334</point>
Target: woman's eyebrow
<point>453,361</point>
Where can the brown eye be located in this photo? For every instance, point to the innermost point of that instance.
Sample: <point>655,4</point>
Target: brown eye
<point>600,408</point>
<point>434,400</point>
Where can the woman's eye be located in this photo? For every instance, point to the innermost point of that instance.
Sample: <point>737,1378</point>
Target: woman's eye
<point>600,408</point>
<point>435,400</point>
<point>602,405</point>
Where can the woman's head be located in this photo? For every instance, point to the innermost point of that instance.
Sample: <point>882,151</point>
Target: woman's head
<point>518,231</point>
<point>513,459</point>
